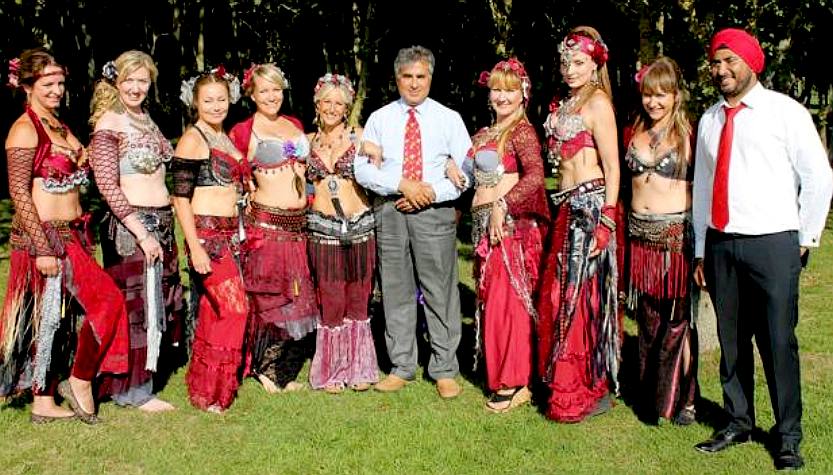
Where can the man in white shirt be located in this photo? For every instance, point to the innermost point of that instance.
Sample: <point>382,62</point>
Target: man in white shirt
<point>416,225</point>
<point>762,189</point>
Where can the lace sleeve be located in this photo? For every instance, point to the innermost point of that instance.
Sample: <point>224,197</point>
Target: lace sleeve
<point>184,173</point>
<point>20,162</point>
<point>104,157</point>
<point>527,197</point>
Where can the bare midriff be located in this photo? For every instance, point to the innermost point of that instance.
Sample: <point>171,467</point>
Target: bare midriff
<point>145,190</point>
<point>489,194</point>
<point>215,201</point>
<point>55,206</point>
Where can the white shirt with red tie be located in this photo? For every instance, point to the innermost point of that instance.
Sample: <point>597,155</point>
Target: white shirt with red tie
<point>779,175</point>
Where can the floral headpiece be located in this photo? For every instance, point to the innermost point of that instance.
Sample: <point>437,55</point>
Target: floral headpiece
<point>511,64</point>
<point>336,80</point>
<point>248,75</point>
<point>109,72</point>
<point>14,69</point>
<point>575,43</point>
<point>186,90</point>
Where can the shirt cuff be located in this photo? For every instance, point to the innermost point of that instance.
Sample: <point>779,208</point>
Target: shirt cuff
<point>806,239</point>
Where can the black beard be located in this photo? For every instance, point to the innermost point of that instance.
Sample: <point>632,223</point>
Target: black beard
<point>741,86</point>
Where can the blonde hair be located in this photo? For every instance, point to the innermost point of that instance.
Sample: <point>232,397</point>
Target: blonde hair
<point>345,94</point>
<point>106,95</point>
<point>267,71</point>
<point>663,75</point>
<point>507,80</point>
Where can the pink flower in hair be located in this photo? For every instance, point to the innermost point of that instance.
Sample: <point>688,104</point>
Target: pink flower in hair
<point>248,75</point>
<point>483,80</point>
<point>640,75</point>
<point>14,69</point>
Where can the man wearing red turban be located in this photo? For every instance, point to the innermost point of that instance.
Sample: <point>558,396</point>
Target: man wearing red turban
<point>762,189</point>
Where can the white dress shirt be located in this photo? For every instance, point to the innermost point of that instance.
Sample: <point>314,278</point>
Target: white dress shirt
<point>442,132</point>
<point>779,176</point>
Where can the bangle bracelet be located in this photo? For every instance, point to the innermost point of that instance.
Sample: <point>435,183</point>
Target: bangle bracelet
<point>501,203</point>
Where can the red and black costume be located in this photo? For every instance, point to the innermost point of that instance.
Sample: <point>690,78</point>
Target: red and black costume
<point>578,331</point>
<point>80,309</point>
<point>284,306</point>
<point>218,298</point>
<point>153,294</point>
<point>507,273</point>
<point>342,252</point>
<point>660,255</point>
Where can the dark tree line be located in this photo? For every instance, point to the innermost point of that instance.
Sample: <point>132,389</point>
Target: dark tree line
<point>361,37</point>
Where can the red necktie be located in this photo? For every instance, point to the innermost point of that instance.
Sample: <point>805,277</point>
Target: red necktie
<point>720,188</point>
<point>412,161</point>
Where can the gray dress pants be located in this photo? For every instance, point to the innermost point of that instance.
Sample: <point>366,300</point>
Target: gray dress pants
<point>419,249</point>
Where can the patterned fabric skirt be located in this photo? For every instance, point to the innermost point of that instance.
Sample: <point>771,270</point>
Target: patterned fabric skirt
<point>661,250</point>
<point>343,257</point>
<point>125,262</point>
<point>506,275</point>
<point>76,319</point>
<point>219,299</point>
<point>578,336</point>
<point>284,304</point>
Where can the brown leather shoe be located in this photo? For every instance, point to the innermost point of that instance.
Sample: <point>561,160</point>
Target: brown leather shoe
<point>448,388</point>
<point>391,384</point>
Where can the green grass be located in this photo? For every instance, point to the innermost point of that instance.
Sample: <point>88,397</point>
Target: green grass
<point>416,432</point>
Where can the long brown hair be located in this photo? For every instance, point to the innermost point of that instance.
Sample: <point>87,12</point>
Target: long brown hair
<point>603,78</point>
<point>663,75</point>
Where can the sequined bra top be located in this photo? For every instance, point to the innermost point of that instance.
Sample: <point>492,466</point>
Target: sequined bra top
<point>568,136</point>
<point>665,165</point>
<point>221,168</point>
<point>57,165</point>
<point>144,151</point>
<point>484,162</point>
<point>343,166</point>
<point>273,153</point>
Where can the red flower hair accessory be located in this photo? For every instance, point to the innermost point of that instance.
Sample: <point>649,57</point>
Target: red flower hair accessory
<point>248,75</point>
<point>640,75</point>
<point>578,43</point>
<point>509,65</point>
<point>336,80</point>
<point>14,69</point>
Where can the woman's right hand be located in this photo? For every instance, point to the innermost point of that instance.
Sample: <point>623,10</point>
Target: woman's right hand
<point>151,248</point>
<point>373,153</point>
<point>200,260</point>
<point>47,265</point>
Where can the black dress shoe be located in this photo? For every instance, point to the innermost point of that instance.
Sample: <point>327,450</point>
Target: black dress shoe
<point>723,439</point>
<point>789,458</point>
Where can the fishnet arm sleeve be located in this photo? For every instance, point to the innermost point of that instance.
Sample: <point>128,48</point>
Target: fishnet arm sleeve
<point>184,172</point>
<point>20,162</point>
<point>528,195</point>
<point>104,157</point>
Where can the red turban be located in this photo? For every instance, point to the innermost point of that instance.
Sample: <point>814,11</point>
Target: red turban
<point>742,44</point>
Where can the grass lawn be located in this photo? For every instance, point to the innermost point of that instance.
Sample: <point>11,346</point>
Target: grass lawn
<point>416,432</point>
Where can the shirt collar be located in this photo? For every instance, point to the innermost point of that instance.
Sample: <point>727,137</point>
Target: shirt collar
<point>421,108</point>
<point>754,98</point>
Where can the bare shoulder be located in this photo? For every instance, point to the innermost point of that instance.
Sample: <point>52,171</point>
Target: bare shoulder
<point>22,134</point>
<point>191,145</point>
<point>599,102</point>
<point>111,121</point>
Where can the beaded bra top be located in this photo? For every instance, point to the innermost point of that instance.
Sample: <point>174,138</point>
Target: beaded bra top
<point>143,151</point>
<point>484,162</point>
<point>568,135</point>
<point>221,168</point>
<point>343,166</point>
<point>665,165</point>
<point>57,165</point>
<point>273,153</point>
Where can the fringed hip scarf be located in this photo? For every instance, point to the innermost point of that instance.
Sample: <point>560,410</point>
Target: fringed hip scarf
<point>578,214</point>
<point>272,218</point>
<point>159,221</point>
<point>218,235</point>
<point>660,255</point>
<point>345,254</point>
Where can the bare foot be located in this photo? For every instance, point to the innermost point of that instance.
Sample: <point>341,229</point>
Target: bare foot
<point>83,391</point>
<point>268,384</point>
<point>294,386</point>
<point>334,389</point>
<point>215,409</point>
<point>156,405</point>
<point>45,406</point>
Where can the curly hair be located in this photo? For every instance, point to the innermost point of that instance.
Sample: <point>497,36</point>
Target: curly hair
<point>106,94</point>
